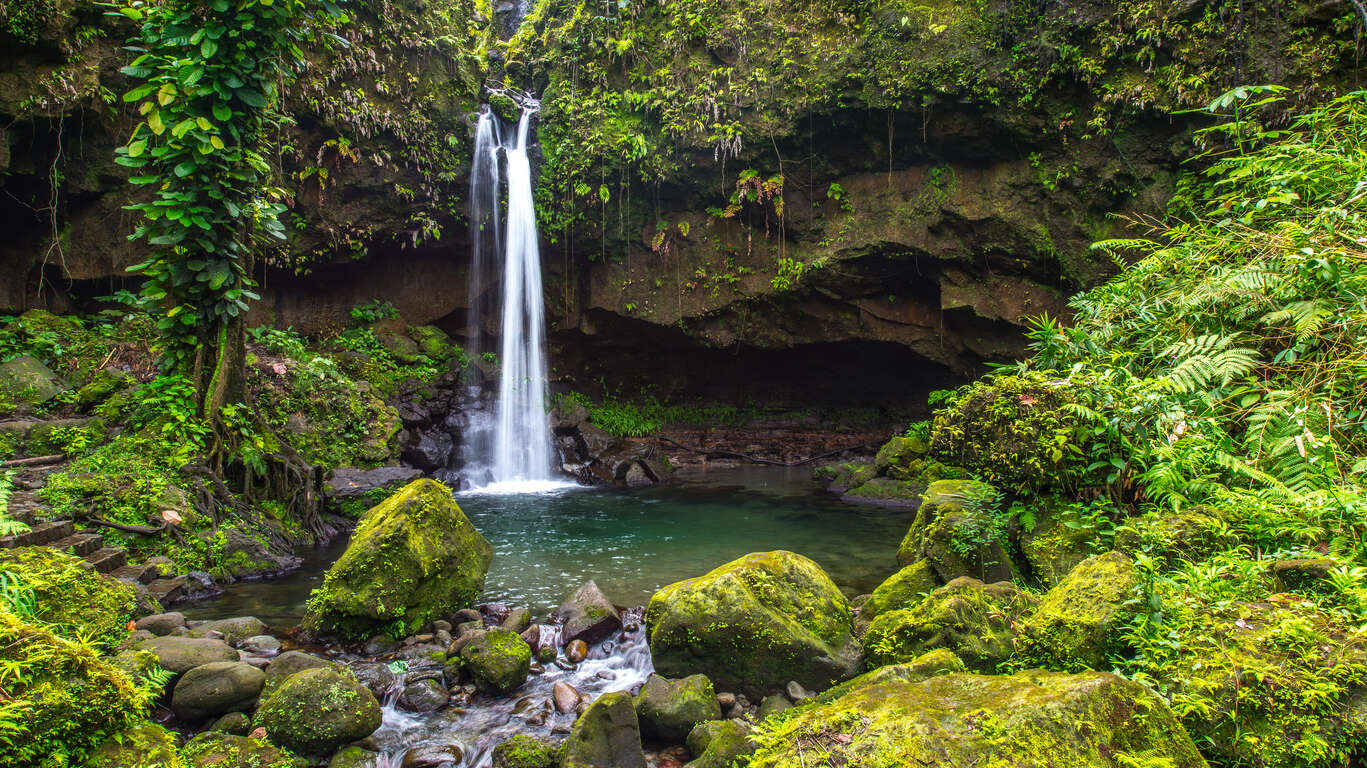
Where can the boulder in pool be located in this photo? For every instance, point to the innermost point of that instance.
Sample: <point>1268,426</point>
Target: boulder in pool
<point>1034,718</point>
<point>318,710</point>
<point>587,615</point>
<point>754,624</point>
<point>414,558</point>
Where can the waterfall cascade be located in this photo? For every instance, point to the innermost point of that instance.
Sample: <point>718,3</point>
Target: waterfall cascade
<point>519,450</point>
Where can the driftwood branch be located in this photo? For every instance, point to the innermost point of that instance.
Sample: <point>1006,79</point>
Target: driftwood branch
<point>34,461</point>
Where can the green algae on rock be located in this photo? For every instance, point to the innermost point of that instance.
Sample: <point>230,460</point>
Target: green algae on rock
<point>318,710</point>
<point>1035,718</point>
<point>754,624</point>
<point>976,621</point>
<point>414,558</point>
<point>1080,622</point>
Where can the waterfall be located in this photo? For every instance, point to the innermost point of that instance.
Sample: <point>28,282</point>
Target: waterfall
<point>512,451</point>
<point>522,440</point>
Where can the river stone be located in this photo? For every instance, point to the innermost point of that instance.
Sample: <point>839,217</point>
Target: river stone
<point>566,697</point>
<point>974,620</point>
<point>214,749</point>
<point>518,620</point>
<point>433,756</point>
<point>355,757</point>
<point>182,654</point>
<point>607,735</point>
<point>235,723</point>
<point>754,624</point>
<point>414,558</point>
<point>1081,621</point>
<point>524,751</point>
<point>423,696</point>
<point>719,743</point>
<point>161,624</point>
<point>669,709</point>
<point>318,710</point>
<point>498,660</point>
<point>290,662</point>
<point>215,688</point>
<point>263,644</point>
<point>234,630</point>
<point>378,677</point>
<point>587,615</point>
<point>147,745</point>
<point>26,380</point>
<point>576,651</point>
<point>1031,718</point>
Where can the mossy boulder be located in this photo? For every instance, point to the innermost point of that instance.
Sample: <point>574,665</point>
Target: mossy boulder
<point>499,660</point>
<point>976,621</point>
<point>181,654</point>
<point>289,663</point>
<point>414,558</point>
<point>1036,718</point>
<point>104,384</point>
<point>1079,623</point>
<point>234,630</point>
<point>1188,534</point>
<point>901,590</point>
<point>71,437</point>
<point>144,746</point>
<point>65,698</point>
<point>215,689</point>
<point>69,597</point>
<point>524,751</point>
<point>355,757</point>
<point>960,530</point>
<point>1006,429</point>
<point>929,664</point>
<point>1050,547</point>
<point>669,709</point>
<point>846,475</point>
<point>24,379</point>
<point>886,491</point>
<point>753,624</point>
<point>318,710</point>
<point>898,454</point>
<point>587,615</point>
<point>719,743</point>
<point>432,341</point>
<point>607,735</point>
<point>215,749</point>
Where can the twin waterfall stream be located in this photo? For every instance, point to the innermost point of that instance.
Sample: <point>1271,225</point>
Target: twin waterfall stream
<point>519,451</point>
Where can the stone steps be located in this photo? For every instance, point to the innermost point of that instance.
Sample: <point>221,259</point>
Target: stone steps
<point>40,534</point>
<point>107,559</point>
<point>80,544</point>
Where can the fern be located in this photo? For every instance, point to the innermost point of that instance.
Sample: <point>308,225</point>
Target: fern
<point>1206,359</point>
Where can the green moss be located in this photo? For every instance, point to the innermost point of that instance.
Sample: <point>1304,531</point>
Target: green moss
<point>753,624</point>
<point>413,558</point>
<point>315,711</point>
<point>499,660</point>
<point>1080,623</point>
<point>904,589</point>
<point>975,621</point>
<point>145,746</point>
<point>668,710</point>
<point>68,597</point>
<point>213,749</point>
<point>1092,720</point>
<point>61,699</point>
<point>523,751</point>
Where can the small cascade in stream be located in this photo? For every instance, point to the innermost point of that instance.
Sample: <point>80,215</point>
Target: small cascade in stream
<point>513,449</point>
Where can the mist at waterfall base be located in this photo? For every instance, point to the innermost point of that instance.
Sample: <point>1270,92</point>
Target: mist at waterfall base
<point>512,451</point>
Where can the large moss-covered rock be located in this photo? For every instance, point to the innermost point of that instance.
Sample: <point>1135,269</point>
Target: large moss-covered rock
<point>901,590</point>
<point>69,597</point>
<point>1049,545</point>
<point>976,621</point>
<point>1080,621</point>
<point>215,689</point>
<point>64,699</point>
<point>318,710</point>
<point>669,709</point>
<point>147,745</point>
<point>24,379</point>
<point>898,454</point>
<point>285,665</point>
<point>886,491</point>
<point>1037,718</point>
<point>499,660</point>
<point>607,735</point>
<point>414,558</point>
<point>1008,428</point>
<point>719,743</point>
<point>753,624</point>
<point>215,749</point>
<point>960,530</point>
<point>1188,534</point>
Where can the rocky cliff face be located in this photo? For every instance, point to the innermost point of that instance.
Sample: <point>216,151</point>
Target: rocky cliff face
<point>744,199</point>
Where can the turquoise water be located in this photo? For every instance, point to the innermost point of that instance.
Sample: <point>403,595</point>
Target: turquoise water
<point>633,542</point>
